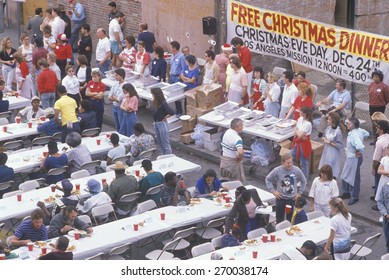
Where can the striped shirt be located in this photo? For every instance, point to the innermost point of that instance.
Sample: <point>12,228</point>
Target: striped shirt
<point>26,231</point>
<point>231,143</point>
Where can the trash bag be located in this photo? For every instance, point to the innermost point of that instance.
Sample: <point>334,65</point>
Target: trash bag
<point>262,153</point>
<point>197,135</point>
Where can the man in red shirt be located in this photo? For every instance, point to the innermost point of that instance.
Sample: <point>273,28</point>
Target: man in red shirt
<point>245,57</point>
<point>47,83</point>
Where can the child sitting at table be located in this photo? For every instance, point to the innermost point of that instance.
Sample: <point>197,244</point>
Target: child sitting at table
<point>299,215</point>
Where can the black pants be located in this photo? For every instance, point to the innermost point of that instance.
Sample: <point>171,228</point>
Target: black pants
<point>280,209</point>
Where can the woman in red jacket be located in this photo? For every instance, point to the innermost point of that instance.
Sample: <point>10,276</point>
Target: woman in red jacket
<point>304,99</point>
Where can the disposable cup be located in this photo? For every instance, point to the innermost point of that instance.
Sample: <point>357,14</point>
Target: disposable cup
<point>29,124</point>
<point>136,226</point>
<point>264,238</point>
<point>5,128</point>
<point>137,173</point>
<point>255,254</point>
<point>288,209</point>
<point>98,141</point>
<point>19,196</point>
<point>53,188</point>
<point>227,198</point>
<point>2,257</point>
<point>103,181</point>
<point>44,250</point>
<point>76,235</point>
<point>16,94</point>
<point>78,187</point>
<point>273,237</point>
<point>45,154</point>
<point>163,216</point>
<point>30,246</point>
<point>43,118</point>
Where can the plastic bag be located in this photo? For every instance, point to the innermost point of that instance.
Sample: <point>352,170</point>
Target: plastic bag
<point>197,135</point>
<point>262,153</point>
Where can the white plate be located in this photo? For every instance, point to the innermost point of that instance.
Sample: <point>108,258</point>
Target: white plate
<point>185,117</point>
<point>71,233</point>
<point>218,118</point>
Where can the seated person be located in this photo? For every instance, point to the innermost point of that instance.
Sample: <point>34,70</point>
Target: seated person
<point>5,89</point>
<point>6,173</point>
<point>338,101</point>
<point>207,185</point>
<point>86,116</point>
<point>98,198</point>
<point>306,252</point>
<point>173,191</point>
<point>49,127</point>
<point>54,160</point>
<point>243,212</point>
<point>3,247</point>
<point>118,150</point>
<point>139,142</point>
<point>4,104</point>
<point>299,215</point>
<point>66,221</point>
<point>78,153</point>
<point>232,238</point>
<point>59,252</point>
<point>33,111</point>
<point>152,179</point>
<point>30,230</point>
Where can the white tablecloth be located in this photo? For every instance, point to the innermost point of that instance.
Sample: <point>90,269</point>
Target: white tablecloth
<point>17,130</point>
<point>17,103</point>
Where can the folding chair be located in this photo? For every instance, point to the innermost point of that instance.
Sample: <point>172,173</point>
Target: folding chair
<point>57,137</point>
<point>6,185</point>
<point>29,185</point>
<point>13,145</point>
<point>147,154</point>
<point>184,244</point>
<point>116,253</point>
<point>314,215</point>
<point>129,199</point>
<point>102,211</point>
<point>40,141</point>
<point>93,165</point>
<point>282,225</point>
<point>137,162</point>
<point>146,206</point>
<point>6,115</point>
<point>385,257</point>
<point>91,132</point>
<point>209,231</point>
<point>57,171</point>
<point>217,241</point>
<point>4,121</point>
<point>256,233</point>
<point>85,218</point>
<point>96,257</point>
<point>153,191</point>
<point>2,226</point>
<point>123,159</point>
<point>164,254</point>
<point>364,250</point>
<point>202,249</point>
<point>363,106</point>
<point>232,185</point>
<point>165,156</point>
<point>79,174</point>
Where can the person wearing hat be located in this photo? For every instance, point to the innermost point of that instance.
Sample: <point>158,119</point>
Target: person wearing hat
<point>53,160</point>
<point>49,127</point>
<point>64,53</point>
<point>152,179</point>
<point>33,111</point>
<point>244,54</point>
<point>121,185</point>
<point>97,198</point>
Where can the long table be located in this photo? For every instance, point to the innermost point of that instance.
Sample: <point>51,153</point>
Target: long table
<point>15,130</point>
<point>17,102</point>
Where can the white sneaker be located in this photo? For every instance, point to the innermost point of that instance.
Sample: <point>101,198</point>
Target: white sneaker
<point>381,219</point>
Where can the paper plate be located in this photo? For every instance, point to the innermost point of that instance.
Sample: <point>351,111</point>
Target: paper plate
<point>218,118</point>
<point>185,117</point>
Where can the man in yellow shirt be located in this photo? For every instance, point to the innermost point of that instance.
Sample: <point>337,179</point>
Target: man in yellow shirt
<point>66,107</point>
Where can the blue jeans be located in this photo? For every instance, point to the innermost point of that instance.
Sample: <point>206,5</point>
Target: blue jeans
<point>8,75</point>
<point>103,68</point>
<point>354,190</point>
<point>162,134</point>
<point>98,107</point>
<point>47,100</point>
<point>386,232</point>
<point>117,116</point>
<point>377,178</point>
<point>65,130</point>
<point>75,31</point>
<point>303,161</point>
<point>128,122</point>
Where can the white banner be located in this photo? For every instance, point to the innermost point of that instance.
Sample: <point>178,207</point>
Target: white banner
<point>349,54</point>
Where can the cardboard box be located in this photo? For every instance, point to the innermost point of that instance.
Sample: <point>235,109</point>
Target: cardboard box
<point>189,125</point>
<point>212,145</point>
<point>208,96</point>
<point>186,138</point>
<point>212,134</point>
<point>191,98</point>
<point>196,112</point>
<point>286,146</point>
<point>317,151</point>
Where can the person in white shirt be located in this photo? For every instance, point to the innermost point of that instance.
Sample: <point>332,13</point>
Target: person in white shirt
<point>98,198</point>
<point>289,95</point>
<point>52,58</point>
<point>116,38</point>
<point>58,25</point>
<point>72,85</point>
<point>103,51</point>
<point>272,95</point>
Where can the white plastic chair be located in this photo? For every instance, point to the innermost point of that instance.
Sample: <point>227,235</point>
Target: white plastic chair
<point>202,249</point>
<point>29,186</point>
<point>314,215</point>
<point>146,206</point>
<point>217,241</point>
<point>137,162</point>
<point>80,174</point>
<point>163,254</point>
<point>4,121</point>
<point>232,185</point>
<point>282,225</point>
<point>256,233</point>
<point>91,132</point>
<point>153,191</point>
<point>102,211</point>
<point>6,185</point>
<point>147,154</point>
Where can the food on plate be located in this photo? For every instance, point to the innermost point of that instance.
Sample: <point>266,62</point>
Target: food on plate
<point>192,204</point>
<point>40,244</point>
<point>250,241</point>
<point>58,195</point>
<point>71,248</point>
<point>195,200</point>
<point>228,205</point>
<point>76,192</point>
<point>50,199</point>
<point>218,200</point>
<point>316,221</point>
<point>278,239</point>
<point>293,230</point>
<point>296,229</point>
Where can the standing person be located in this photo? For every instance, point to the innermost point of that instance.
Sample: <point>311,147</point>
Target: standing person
<point>6,58</point>
<point>112,14</point>
<point>116,96</point>
<point>245,57</point>
<point>83,73</point>
<point>177,65</point>
<point>142,60</point>
<point>34,24</point>
<point>52,59</point>
<point>301,146</point>
<point>23,77</point>
<point>48,20</point>
<point>38,53</point>
<point>211,68</point>
<point>147,37</point>
<point>300,78</point>
<point>47,82</point>
<point>67,107</point>
<point>323,189</point>
<point>304,99</point>
<point>85,43</point>
<point>378,96</point>
<point>72,85</point>
<point>339,242</point>
<point>64,54</point>
<point>103,51</point>
<point>259,87</point>
<point>382,196</point>
<point>78,18</point>
<point>159,64</point>
<point>128,54</point>
<point>161,111</point>
<point>95,92</point>
<point>66,19</point>
<point>287,190</point>
<point>237,90</point>
<point>231,164</point>
<point>289,94</point>
<point>48,39</point>
<point>351,175</point>
<point>116,38</point>
<point>129,106</point>
<point>58,25</point>
<point>380,151</point>
<point>333,144</point>
<point>26,49</point>
<point>190,75</point>
<point>222,60</point>
<point>271,96</point>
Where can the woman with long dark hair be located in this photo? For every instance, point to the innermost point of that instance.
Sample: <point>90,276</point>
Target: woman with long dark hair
<point>129,107</point>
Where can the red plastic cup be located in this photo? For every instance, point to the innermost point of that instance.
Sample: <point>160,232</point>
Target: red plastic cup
<point>19,196</point>
<point>5,128</point>
<point>44,250</point>
<point>163,216</point>
<point>16,94</point>
<point>183,184</point>
<point>228,199</point>
<point>264,238</point>
<point>78,187</point>
<point>18,120</point>
<point>273,237</point>
<point>288,209</point>
<point>76,235</point>
<point>2,257</point>
<point>43,118</point>
<point>103,181</point>
<point>255,254</point>
<point>136,227</point>
<point>45,154</point>
<point>29,124</point>
<point>30,246</point>
<point>224,195</point>
<point>70,13</point>
<point>108,135</point>
<point>53,188</point>
<point>98,141</point>
<point>137,173</point>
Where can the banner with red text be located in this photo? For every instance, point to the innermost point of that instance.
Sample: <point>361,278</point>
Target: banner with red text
<point>350,54</point>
